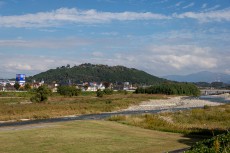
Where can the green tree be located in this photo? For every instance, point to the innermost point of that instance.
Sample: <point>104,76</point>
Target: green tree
<point>42,94</point>
<point>27,86</point>
<point>16,85</point>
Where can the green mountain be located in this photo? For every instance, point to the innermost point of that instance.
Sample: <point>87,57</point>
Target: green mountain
<point>96,73</point>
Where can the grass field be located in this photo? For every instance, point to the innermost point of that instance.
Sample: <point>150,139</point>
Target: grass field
<point>88,137</point>
<point>207,121</point>
<point>16,107</point>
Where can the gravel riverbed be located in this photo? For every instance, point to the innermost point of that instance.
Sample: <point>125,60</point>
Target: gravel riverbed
<point>181,102</point>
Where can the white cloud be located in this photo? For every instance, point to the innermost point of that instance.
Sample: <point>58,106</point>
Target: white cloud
<point>155,59</point>
<point>75,16</point>
<point>183,56</point>
<point>65,15</point>
<point>30,65</point>
<point>189,5</point>
<point>45,43</point>
<point>219,15</point>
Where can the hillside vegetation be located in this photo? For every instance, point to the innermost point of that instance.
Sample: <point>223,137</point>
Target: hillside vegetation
<point>97,73</point>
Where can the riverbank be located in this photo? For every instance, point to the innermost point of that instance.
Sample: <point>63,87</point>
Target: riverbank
<point>181,102</point>
<point>152,106</point>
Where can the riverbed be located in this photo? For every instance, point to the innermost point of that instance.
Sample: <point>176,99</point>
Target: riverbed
<point>151,106</point>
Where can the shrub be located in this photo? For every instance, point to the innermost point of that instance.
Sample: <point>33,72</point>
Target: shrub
<point>27,86</point>
<point>125,92</point>
<point>108,91</point>
<point>42,94</point>
<point>68,91</point>
<point>217,144</point>
<point>100,93</point>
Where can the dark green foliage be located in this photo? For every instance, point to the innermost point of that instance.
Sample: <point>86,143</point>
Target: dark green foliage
<point>100,93</point>
<point>108,91</point>
<point>27,86</point>
<point>68,91</point>
<point>217,144</point>
<point>171,89</point>
<point>122,92</point>
<point>217,84</point>
<point>97,73</point>
<point>42,94</point>
<point>16,85</point>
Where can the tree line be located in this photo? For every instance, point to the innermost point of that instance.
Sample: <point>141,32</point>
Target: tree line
<point>170,89</point>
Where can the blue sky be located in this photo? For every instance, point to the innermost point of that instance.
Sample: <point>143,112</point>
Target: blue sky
<point>161,37</point>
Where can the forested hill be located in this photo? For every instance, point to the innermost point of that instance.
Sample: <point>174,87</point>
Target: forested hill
<point>96,73</point>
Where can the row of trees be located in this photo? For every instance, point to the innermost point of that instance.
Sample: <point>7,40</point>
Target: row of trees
<point>171,89</point>
<point>43,92</point>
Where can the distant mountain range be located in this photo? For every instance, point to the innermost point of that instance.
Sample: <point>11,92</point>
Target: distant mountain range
<point>203,76</point>
<point>96,73</point>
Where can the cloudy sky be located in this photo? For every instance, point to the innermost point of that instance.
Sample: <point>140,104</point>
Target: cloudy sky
<point>161,37</point>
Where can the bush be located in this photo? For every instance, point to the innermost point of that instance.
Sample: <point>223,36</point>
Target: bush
<point>108,91</point>
<point>100,93</point>
<point>42,94</point>
<point>16,85</point>
<point>125,92</point>
<point>27,86</point>
<point>68,91</point>
<point>217,144</point>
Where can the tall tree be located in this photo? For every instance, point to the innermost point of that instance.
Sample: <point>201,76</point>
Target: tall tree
<point>16,85</point>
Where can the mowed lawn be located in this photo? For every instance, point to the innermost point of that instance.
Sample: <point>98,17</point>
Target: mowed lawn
<point>88,137</point>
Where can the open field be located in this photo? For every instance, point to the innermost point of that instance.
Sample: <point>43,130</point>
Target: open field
<point>16,108</point>
<point>89,136</point>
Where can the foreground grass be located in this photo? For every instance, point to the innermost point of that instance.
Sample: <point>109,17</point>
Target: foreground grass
<point>88,136</point>
<point>15,108</point>
<point>209,121</point>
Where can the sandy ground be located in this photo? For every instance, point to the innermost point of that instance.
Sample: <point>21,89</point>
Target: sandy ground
<point>181,102</point>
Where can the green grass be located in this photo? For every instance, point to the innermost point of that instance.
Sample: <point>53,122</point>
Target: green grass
<point>208,121</point>
<point>15,108</point>
<point>88,136</point>
<point>16,94</point>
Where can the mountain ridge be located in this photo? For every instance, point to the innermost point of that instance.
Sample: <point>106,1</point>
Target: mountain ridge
<point>96,73</point>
